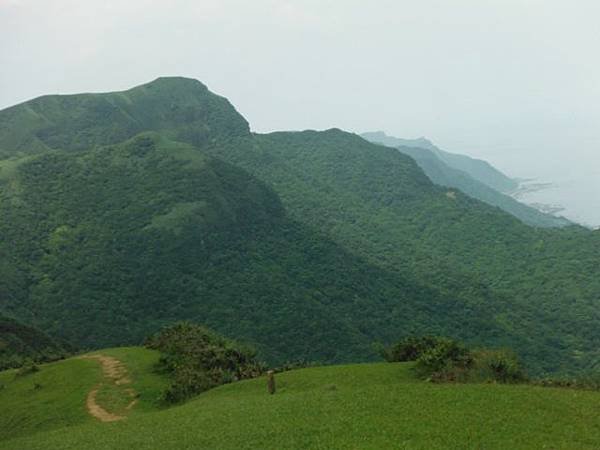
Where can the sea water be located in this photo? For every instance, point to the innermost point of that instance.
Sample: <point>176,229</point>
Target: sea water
<point>571,194</point>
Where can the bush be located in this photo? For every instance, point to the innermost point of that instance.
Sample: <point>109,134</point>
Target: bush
<point>410,348</point>
<point>447,360</point>
<point>442,359</point>
<point>497,365</point>
<point>199,359</point>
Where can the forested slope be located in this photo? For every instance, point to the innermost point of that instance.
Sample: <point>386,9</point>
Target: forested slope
<point>20,343</point>
<point>377,203</point>
<point>123,239</point>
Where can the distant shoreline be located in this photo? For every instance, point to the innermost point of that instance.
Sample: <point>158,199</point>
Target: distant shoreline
<point>524,193</point>
<point>530,185</point>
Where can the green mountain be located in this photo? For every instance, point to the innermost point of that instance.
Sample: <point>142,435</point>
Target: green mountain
<point>311,244</point>
<point>438,167</point>
<point>19,343</point>
<point>377,203</point>
<point>120,240</point>
<point>478,169</point>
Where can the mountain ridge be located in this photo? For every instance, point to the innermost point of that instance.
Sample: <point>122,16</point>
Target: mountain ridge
<point>479,169</point>
<point>434,164</point>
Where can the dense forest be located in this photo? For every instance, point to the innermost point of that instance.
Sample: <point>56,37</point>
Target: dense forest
<point>124,212</point>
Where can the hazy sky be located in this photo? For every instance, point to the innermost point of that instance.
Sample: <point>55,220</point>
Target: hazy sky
<point>516,82</point>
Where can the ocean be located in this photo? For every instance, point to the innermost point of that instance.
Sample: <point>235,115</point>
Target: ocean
<point>574,196</point>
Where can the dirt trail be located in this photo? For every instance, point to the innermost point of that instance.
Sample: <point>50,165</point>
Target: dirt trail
<point>114,372</point>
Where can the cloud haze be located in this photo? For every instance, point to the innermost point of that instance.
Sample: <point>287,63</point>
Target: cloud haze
<point>511,81</point>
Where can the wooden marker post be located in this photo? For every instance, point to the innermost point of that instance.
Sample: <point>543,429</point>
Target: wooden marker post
<point>271,381</point>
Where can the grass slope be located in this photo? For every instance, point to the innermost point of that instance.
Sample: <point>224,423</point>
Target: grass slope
<point>54,397</point>
<point>367,406</point>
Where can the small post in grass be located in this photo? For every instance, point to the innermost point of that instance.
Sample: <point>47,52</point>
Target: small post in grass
<point>271,381</point>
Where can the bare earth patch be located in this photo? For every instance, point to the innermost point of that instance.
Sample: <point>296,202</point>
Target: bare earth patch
<point>114,372</point>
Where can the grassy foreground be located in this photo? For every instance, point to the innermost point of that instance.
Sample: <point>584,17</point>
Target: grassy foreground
<point>368,406</point>
<point>54,397</point>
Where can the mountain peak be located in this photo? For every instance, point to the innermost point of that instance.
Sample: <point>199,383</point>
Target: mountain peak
<point>174,82</point>
<point>183,108</point>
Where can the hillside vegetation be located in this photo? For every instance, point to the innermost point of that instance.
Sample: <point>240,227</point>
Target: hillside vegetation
<point>21,343</point>
<point>374,201</point>
<point>123,212</point>
<point>121,240</point>
<point>370,406</point>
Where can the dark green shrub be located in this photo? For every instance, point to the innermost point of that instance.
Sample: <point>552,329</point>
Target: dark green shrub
<point>497,365</point>
<point>443,359</point>
<point>410,348</point>
<point>447,360</point>
<point>199,359</point>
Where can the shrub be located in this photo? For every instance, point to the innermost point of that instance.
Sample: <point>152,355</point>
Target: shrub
<point>410,348</point>
<point>442,359</point>
<point>447,360</point>
<point>199,359</point>
<point>497,365</point>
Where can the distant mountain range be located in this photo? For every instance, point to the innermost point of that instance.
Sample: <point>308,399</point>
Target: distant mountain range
<point>125,211</point>
<point>474,177</point>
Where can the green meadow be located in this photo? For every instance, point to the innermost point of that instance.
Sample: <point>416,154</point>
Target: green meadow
<point>361,406</point>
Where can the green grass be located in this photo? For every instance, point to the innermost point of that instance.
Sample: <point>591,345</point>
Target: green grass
<point>59,401</point>
<point>144,380</point>
<point>367,406</point>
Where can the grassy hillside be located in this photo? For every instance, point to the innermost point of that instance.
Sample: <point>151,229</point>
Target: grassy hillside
<point>55,396</point>
<point>20,343</point>
<point>370,406</point>
<point>312,244</point>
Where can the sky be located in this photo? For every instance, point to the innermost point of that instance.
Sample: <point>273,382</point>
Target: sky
<point>515,82</point>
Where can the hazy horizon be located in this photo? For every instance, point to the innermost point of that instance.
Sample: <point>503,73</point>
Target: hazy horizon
<point>512,82</point>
